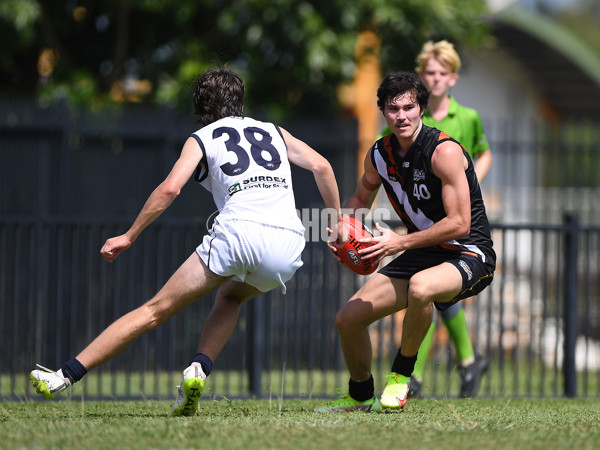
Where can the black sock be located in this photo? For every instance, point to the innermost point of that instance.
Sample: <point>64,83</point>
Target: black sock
<point>404,365</point>
<point>204,361</point>
<point>361,390</point>
<point>73,370</point>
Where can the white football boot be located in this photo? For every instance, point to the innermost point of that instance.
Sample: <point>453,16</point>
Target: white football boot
<point>47,382</point>
<point>189,391</point>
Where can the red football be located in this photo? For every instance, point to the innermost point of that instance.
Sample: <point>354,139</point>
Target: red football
<point>349,251</point>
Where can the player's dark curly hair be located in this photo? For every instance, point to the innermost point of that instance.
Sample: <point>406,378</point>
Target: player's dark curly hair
<point>218,93</point>
<point>398,83</point>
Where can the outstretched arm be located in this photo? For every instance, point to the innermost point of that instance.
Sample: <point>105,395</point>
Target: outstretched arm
<point>302,155</point>
<point>160,199</point>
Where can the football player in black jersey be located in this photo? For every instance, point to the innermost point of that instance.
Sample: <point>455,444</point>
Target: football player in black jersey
<point>446,255</point>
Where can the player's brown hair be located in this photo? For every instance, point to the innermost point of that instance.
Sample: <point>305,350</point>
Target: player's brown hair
<point>218,93</point>
<point>399,83</point>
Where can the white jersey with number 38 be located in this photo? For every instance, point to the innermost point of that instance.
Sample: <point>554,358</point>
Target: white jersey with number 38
<point>245,167</point>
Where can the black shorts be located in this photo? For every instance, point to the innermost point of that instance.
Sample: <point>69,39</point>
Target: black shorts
<point>476,274</point>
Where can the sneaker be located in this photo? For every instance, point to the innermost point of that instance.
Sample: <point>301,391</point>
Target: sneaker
<point>189,391</point>
<point>395,392</point>
<point>48,382</point>
<point>347,404</point>
<point>470,376</point>
<point>414,388</point>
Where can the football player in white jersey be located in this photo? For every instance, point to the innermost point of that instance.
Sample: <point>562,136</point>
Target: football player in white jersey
<point>254,245</point>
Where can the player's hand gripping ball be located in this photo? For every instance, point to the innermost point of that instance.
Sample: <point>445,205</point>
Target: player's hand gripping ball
<point>349,251</point>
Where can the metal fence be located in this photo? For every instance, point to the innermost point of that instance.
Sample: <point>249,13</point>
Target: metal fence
<point>539,321</point>
<point>70,179</point>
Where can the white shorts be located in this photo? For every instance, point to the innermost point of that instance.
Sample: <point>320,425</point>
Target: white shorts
<point>261,255</point>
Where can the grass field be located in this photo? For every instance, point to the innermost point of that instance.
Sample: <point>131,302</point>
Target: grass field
<point>292,424</point>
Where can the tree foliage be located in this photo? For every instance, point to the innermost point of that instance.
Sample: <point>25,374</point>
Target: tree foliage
<point>292,53</point>
<point>583,20</point>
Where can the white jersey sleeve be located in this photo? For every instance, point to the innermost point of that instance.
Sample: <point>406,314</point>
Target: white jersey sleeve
<point>245,167</point>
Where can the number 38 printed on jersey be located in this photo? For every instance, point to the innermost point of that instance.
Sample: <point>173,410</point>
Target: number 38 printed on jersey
<point>260,141</point>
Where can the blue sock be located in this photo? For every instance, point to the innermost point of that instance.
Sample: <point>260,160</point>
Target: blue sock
<point>204,361</point>
<point>73,370</point>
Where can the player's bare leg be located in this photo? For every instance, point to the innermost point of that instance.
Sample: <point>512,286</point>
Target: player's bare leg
<point>379,297</point>
<point>215,333</point>
<point>441,284</point>
<point>190,282</point>
<point>223,316</point>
